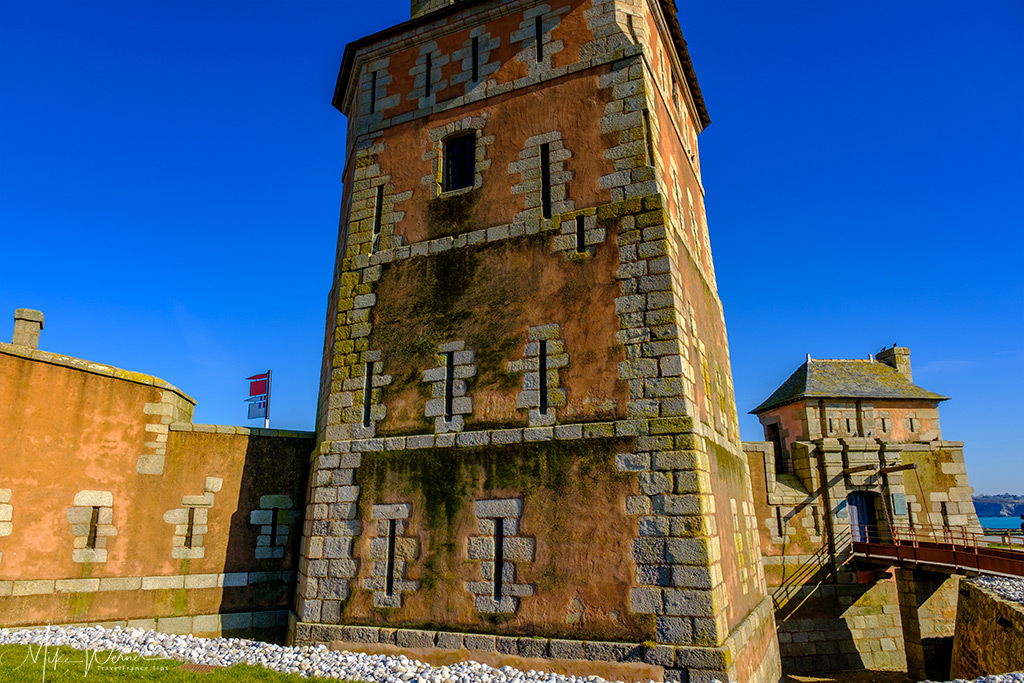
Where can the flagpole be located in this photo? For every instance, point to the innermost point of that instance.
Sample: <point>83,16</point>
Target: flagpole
<point>266,417</point>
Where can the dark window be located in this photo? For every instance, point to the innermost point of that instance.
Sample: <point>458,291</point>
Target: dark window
<point>449,385</point>
<point>580,235</point>
<point>459,162</point>
<point>540,39</point>
<point>783,463</point>
<point>190,530</point>
<point>373,92</point>
<point>273,527</point>
<point>367,393</point>
<point>543,372</point>
<point>378,217</point>
<point>94,522</point>
<point>427,76</point>
<point>545,179</point>
<point>499,555</point>
<point>389,581</point>
<point>476,59</point>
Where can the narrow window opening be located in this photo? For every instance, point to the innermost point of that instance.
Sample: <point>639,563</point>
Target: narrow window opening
<point>378,218</point>
<point>427,75</point>
<point>367,390</point>
<point>783,464</point>
<point>94,522</point>
<point>389,582</point>
<point>778,519</point>
<point>580,234</point>
<point>945,513</point>
<point>273,527</point>
<point>373,92</point>
<point>459,156</point>
<point>540,39</point>
<point>449,385</point>
<point>190,531</point>
<point>499,555</point>
<point>649,137</point>
<point>629,25</point>
<point>476,58</point>
<point>543,377</point>
<point>545,175</point>
<point>817,521</point>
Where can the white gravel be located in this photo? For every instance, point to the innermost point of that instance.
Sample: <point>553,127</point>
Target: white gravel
<point>305,661</point>
<point>1001,678</point>
<point>1011,589</point>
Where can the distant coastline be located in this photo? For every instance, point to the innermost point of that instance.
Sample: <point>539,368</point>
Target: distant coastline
<point>1005,505</point>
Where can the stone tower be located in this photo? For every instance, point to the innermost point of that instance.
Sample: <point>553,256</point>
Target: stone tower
<point>527,432</point>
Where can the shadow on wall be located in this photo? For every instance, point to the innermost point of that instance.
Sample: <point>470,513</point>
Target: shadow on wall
<point>266,531</point>
<point>827,624</point>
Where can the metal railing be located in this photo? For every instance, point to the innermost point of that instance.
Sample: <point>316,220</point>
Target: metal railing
<point>955,549</point>
<point>1008,537</point>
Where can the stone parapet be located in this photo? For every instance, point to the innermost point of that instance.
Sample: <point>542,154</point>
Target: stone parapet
<point>241,431</point>
<point>93,368</point>
<point>989,636</point>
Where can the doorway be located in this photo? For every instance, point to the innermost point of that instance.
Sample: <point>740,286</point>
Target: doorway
<point>863,517</point>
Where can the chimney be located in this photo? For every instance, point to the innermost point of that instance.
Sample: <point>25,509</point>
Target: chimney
<point>27,326</point>
<point>897,357</point>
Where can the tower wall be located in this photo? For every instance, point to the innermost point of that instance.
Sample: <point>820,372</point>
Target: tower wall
<point>563,368</point>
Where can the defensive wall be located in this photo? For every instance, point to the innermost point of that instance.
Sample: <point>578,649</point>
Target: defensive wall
<point>989,633</point>
<point>116,509</point>
<point>831,613</point>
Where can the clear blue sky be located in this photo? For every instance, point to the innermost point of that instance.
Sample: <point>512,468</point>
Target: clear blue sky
<point>170,185</point>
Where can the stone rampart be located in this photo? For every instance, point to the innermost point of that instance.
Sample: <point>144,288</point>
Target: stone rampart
<point>989,635</point>
<point>115,508</point>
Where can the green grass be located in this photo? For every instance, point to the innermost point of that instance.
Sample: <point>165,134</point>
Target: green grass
<point>25,664</point>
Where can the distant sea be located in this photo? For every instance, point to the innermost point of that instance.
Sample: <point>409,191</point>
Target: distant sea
<point>1000,522</point>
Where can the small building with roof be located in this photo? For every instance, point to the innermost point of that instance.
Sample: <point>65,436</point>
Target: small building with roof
<point>853,451</point>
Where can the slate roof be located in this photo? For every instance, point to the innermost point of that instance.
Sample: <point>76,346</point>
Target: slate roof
<point>845,379</point>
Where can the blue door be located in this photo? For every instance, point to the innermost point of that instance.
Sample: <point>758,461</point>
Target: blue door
<point>863,523</point>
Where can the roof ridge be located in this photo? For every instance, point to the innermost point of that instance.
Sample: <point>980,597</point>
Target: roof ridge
<point>846,378</point>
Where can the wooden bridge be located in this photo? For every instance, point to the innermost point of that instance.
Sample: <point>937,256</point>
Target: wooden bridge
<point>939,549</point>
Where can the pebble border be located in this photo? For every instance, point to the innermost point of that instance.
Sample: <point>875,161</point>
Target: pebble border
<point>306,661</point>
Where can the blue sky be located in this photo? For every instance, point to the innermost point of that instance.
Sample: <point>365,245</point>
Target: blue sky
<point>170,186</point>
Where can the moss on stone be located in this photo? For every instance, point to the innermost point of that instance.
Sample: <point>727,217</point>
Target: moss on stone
<point>442,484</point>
<point>424,302</point>
<point>445,477</point>
<point>452,215</point>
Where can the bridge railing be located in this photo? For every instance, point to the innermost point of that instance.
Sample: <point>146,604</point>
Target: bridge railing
<point>954,549</point>
<point>1012,538</point>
